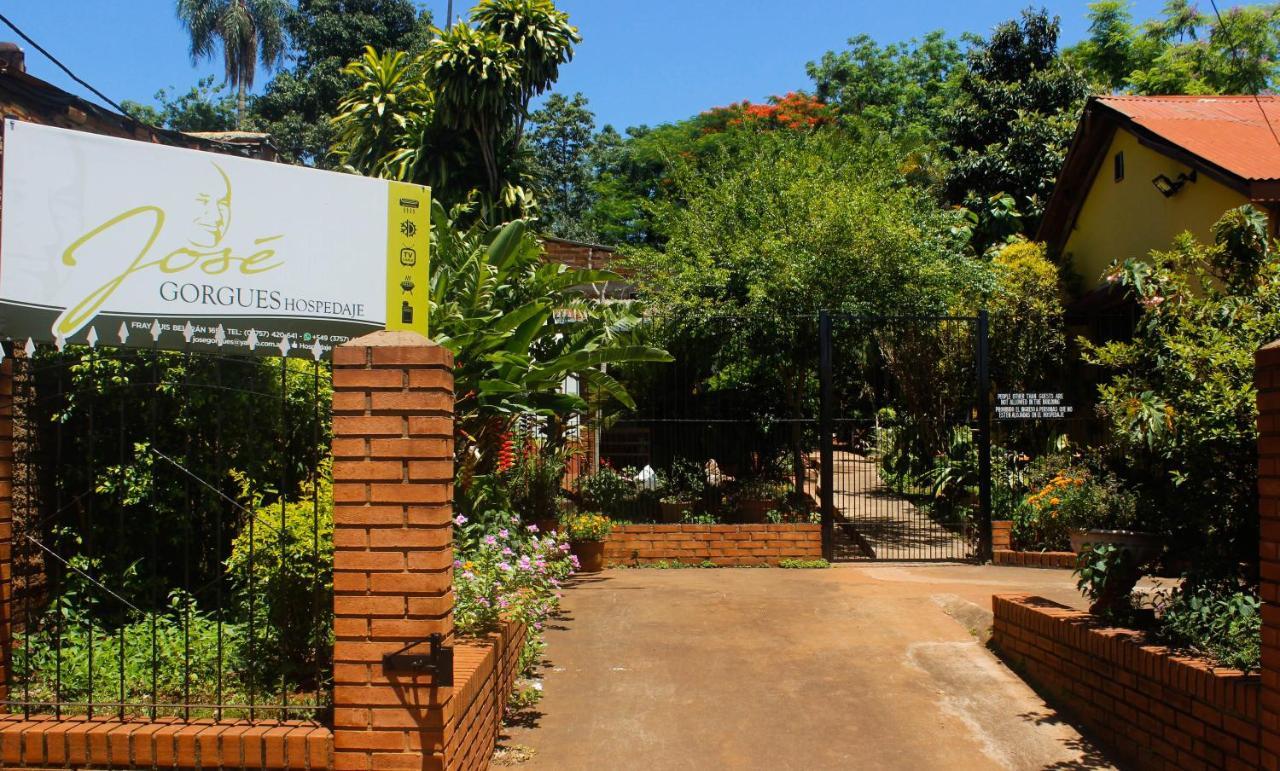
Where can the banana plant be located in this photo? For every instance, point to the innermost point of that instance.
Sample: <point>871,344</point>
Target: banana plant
<point>520,327</point>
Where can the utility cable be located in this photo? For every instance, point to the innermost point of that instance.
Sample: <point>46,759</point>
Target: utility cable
<point>1235,54</point>
<point>59,64</point>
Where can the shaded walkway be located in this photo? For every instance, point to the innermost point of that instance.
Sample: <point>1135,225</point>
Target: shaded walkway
<point>874,522</point>
<point>860,666</point>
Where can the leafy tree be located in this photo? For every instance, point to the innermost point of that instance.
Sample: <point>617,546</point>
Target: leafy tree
<point>203,108</point>
<point>1023,296</point>
<point>453,117</point>
<point>325,35</point>
<point>1181,401</point>
<point>1015,114</point>
<point>797,223</point>
<point>562,140</point>
<point>1182,52</point>
<point>636,174</point>
<point>900,87</point>
<point>249,32</point>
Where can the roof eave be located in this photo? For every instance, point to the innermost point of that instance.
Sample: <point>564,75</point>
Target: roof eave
<point>1097,126</point>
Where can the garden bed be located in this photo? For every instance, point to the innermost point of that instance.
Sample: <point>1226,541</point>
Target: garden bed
<point>721,545</point>
<point>1003,553</point>
<point>1154,708</point>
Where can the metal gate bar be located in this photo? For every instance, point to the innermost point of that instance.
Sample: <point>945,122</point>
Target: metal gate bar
<point>918,535</point>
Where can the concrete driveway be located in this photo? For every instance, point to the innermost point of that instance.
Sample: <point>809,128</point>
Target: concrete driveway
<point>855,667</point>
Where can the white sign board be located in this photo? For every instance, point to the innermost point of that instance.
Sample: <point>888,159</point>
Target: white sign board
<point>127,242</point>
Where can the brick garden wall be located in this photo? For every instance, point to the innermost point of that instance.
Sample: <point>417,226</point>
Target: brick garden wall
<point>1003,553</point>
<point>724,545</point>
<point>1156,710</point>
<point>484,672</point>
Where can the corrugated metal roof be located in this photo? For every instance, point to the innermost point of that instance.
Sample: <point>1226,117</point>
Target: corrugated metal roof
<point>1227,131</point>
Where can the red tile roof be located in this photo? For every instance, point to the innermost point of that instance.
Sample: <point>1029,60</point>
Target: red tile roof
<point>1227,131</point>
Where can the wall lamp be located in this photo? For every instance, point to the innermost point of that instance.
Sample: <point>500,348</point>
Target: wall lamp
<point>1169,187</point>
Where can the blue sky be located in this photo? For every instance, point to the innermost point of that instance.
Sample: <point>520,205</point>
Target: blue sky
<point>647,62</point>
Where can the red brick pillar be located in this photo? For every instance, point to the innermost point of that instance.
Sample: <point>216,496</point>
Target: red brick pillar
<point>393,555</point>
<point>6,524</point>
<point>1267,379</point>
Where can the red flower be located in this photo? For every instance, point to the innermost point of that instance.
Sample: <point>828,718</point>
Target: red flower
<point>506,453</point>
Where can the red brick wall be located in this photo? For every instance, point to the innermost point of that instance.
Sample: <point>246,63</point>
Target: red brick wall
<point>199,744</point>
<point>576,255</point>
<point>1267,380</point>
<point>725,545</point>
<point>1062,560</point>
<point>1002,534</point>
<point>1003,552</point>
<point>485,673</point>
<point>1154,709</point>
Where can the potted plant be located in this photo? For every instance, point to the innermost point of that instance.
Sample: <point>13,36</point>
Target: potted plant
<point>1101,519</point>
<point>674,506</point>
<point>683,485</point>
<point>756,497</point>
<point>1107,514</point>
<point>587,533</point>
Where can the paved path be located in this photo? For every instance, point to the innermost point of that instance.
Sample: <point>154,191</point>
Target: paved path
<point>856,667</point>
<point>883,522</point>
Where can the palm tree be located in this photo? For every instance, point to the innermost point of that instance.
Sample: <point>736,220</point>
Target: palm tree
<point>249,31</point>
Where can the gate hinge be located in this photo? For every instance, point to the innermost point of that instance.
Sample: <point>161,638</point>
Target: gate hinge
<point>438,661</point>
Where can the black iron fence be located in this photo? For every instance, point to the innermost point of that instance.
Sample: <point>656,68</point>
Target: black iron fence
<point>725,433</point>
<point>172,535</point>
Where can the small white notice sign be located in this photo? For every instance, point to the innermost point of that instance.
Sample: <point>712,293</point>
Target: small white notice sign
<point>1031,406</point>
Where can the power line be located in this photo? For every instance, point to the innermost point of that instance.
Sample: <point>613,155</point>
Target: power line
<point>1235,54</point>
<point>60,65</point>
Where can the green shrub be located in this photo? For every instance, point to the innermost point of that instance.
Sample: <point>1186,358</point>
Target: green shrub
<point>703,518</point>
<point>186,659</point>
<point>685,481</point>
<point>607,491</point>
<point>284,584</point>
<point>1220,620</point>
<point>1180,400</point>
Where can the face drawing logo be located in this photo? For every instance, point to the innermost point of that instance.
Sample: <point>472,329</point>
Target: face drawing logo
<point>211,208</point>
<point>200,220</point>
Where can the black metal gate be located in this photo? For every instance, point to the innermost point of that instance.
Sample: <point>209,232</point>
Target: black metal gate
<point>904,437</point>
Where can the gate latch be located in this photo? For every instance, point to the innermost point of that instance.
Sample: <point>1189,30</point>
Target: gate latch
<point>438,661</point>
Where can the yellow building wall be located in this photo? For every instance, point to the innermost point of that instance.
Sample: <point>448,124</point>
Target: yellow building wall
<point>1130,218</point>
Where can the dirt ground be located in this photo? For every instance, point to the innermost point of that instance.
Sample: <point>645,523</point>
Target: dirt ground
<point>856,667</point>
